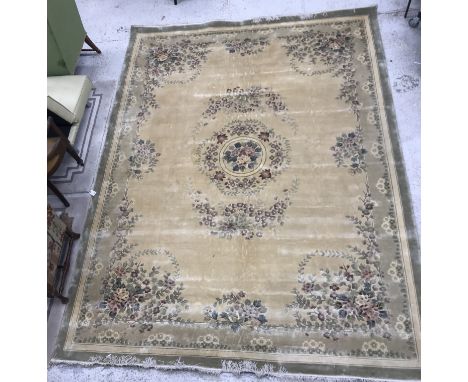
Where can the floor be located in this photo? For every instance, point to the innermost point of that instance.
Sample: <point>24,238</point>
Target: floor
<point>108,23</point>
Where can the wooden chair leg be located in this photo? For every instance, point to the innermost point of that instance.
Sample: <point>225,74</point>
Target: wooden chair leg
<point>71,150</point>
<point>175,2</point>
<point>58,193</point>
<point>407,8</point>
<point>73,235</point>
<point>63,299</point>
<point>92,45</point>
<point>55,293</point>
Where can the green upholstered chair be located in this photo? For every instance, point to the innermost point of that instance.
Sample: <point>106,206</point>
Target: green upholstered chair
<point>65,37</point>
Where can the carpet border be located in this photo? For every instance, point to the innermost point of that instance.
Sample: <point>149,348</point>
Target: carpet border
<point>337,371</point>
<point>413,237</point>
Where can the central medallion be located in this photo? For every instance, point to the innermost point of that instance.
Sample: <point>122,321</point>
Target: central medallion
<point>242,156</point>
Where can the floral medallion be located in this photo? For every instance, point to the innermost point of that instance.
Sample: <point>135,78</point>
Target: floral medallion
<point>167,62</point>
<point>243,157</point>
<point>236,311</point>
<point>139,288</point>
<point>246,46</point>
<point>166,59</point>
<point>349,151</point>
<point>351,299</point>
<point>143,159</point>
<point>241,219</point>
<point>314,52</point>
<point>140,295</point>
<point>241,101</point>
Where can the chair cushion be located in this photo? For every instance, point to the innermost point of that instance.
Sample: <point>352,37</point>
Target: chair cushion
<point>67,96</point>
<point>73,132</point>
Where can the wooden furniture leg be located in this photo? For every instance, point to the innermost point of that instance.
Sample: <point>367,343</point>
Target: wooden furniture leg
<point>92,45</point>
<point>58,193</point>
<point>70,149</point>
<point>73,235</point>
<point>175,2</point>
<point>66,264</point>
<point>54,292</point>
<point>63,299</point>
<point>407,8</point>
<point>60,239</point>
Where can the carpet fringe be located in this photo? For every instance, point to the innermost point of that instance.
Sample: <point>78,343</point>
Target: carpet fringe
<point>227,366</point>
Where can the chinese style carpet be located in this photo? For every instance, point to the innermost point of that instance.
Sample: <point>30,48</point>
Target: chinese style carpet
<point>253,211</point>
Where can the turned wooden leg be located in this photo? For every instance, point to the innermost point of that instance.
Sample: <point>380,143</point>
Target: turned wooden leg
<point>58,193</point>
<point>175,2</point>
<point>92,45</point>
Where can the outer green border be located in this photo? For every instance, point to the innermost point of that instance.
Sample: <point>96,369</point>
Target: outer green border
<point>413,239</point>
<point>214,364</point>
